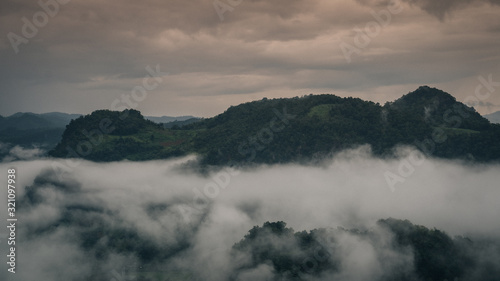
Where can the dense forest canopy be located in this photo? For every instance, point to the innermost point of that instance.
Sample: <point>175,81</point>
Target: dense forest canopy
<point>296,129</point>
<point>430,253</point>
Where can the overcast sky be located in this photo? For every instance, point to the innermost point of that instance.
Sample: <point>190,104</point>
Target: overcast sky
<point>89,54</point>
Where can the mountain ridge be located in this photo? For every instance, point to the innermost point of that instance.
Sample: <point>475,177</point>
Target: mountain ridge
<point>294,129</point>
<point>45,130</point>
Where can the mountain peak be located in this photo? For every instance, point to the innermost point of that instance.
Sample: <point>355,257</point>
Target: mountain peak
<point>439,109</point>
<point>426,94</point>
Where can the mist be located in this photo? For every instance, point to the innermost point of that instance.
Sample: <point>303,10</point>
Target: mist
<point>107,221</point>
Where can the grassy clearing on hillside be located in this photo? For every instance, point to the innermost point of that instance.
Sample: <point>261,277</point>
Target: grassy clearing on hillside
<point>322,111</point>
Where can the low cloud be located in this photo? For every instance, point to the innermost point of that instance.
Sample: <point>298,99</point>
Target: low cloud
<point>19,153</point>
<point>129,220</point>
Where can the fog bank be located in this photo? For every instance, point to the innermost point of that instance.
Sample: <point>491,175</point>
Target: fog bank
<point>103,221</point>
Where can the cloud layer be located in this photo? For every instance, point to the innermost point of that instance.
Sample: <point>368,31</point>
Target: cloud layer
<point>102,221</point>
<point>91,53</point>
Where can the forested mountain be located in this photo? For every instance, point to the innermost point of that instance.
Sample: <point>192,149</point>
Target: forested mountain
<point>30,129</point>
<point>108,135</point>
<point>45,130</point>
<point>412,252</point>
<point>439,109</point>
<point>29,121</point>
<point>294,129</point>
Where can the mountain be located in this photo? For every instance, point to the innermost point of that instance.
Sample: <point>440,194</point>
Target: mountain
<point>283,130</point>
<point>45,130</point>
<point>170,122</point>
<point>181,123</point>
<point>440,109</point>
<point>325,124</point>
<point>169,119</point>
<point>24,121</point>
<point>493,117</point>
<point>28,120</point>
<point>431,254</point>
<point>30,129</point>
<point>108,135</point>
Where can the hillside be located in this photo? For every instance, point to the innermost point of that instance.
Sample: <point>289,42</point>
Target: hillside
<point>45,130</point>
<point>110,136</point>
<point>295,129</point>
<point>29,121</point>
<point>434,255</point>
<point>31,129</point>
<point>440,109</point>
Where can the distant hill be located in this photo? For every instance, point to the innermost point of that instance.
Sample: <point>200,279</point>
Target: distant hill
<point>295,129</point>
<point>493,117</point>
<point>168,119</point>
<point>179,124</point>
<point>46,129</point>
<point>24,121</point>
<point>28,120</point>
<point>171,122</point>
<point>31,129</point>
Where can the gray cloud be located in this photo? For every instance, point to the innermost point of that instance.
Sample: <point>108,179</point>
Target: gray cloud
<point>19,153</point>
<point>442,8</point>
<point>91,53</point>
<point>439,9</point>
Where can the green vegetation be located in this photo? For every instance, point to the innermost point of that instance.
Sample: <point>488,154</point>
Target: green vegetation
<point>430,253</point>
<point>321,111</point>
<point>286,250</point>
<point>111,136</point>
<point>294,129</point>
